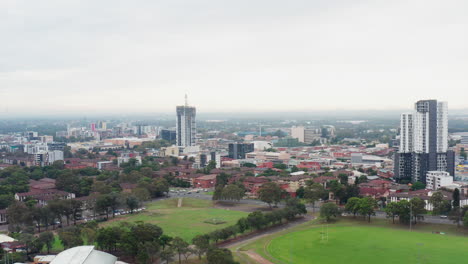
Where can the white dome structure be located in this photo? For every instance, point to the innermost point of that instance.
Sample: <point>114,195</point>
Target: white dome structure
<point>84,255</point>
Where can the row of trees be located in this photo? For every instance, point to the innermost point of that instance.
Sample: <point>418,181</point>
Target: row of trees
<point>363,206</point>
<point>23,215</point>
<point>146,243</point>
<point>406,211</point>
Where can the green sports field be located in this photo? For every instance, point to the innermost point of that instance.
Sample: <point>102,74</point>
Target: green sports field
<point>186,221</point>
<point>365,244</point>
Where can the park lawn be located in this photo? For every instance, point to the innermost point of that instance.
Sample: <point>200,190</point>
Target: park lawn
<point>186,221</point>
<point>351,241</point>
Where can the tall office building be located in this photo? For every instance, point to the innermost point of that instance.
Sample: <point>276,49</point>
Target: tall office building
<point>238,150</point>
<point>424,142</point>
<point>186,126</point>
<point>168,135</point>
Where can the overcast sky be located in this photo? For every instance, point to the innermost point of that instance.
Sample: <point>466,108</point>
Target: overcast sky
<point>79,56</point>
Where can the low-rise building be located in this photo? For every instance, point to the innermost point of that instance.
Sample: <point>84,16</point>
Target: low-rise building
<point>438,179</point>
<point>206,181</point>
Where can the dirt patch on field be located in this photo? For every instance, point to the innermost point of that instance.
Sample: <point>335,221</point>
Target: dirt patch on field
<point>257,258</point>
<point>238,207</point>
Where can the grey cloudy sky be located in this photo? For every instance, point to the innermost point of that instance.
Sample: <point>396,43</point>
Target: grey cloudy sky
<point>244,55</point>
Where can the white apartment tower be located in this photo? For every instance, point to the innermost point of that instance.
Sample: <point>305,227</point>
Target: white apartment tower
<point>406,134</point>
<point>186,126</point>
<point>424,142</point>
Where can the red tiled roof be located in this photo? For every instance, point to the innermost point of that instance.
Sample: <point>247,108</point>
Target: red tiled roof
<point>323,179</point>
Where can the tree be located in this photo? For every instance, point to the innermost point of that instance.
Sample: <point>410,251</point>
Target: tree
<point>17,216</point>
<point>67,209</point>
<point>211,165</point>
<point>367,207</point>
<point>142,194</point>
<point>68,181</point>
<point>202,244</point>
<point>70,237</point>
<point>270,193</point>
<point>103,203</point>
<point>280,166</point>
<point>167,254</point>
<point>404,211</point>
<point>179,246</point>
<point>219,256</point>
<point>47,238</point>
<point>114,202</point>
<point>296,207</point>
<point>6,200</point>
<point>36,215</point>
<point>108,237</point>
<point>465,219</point>
<point>418,186</point>
<point>329,211</point>
<point>232,192</point>
<point>76,208</point>
<point>437,201</point>
<point>150,250</point>
<point>362,178</point>
<point>165,240</point>
<point>417,208</point>
<point>313,193</point>
<point>352,206</point>
<point>90,234</point>
<point>343,178</point>
<point>160,187</point>
<point>132,203</point>
<point>47,216</point>
<point>392,210</point>
<point>456,198</point>
<point>457,214</point>
<point>256,219</point>
<point>243,224</point>
<point>300,192</point>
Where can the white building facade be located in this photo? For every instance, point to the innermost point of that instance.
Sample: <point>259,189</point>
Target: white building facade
<point>437,179</point>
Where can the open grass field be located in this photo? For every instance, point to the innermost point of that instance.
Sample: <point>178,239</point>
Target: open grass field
<point>354,242</point>
<point>186,221</point>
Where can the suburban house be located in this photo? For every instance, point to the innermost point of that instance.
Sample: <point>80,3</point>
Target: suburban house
<point>423,194</point>
<point>206,181</point>
<point>43,191</point>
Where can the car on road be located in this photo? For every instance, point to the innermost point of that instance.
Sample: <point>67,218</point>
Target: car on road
<point>443,217</point>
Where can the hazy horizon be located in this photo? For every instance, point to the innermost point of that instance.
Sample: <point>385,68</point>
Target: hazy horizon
<point>214,115</point>
<point>99,57</point>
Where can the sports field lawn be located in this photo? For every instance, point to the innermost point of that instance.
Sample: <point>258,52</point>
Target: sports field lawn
<point>365,244</point>
<point>186,221</point>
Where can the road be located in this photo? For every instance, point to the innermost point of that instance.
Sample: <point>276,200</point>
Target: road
<point>431,219</point>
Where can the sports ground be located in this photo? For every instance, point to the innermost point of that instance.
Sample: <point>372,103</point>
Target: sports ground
<point>355,243</point>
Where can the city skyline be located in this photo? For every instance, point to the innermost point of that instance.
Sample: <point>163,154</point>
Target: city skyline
<point>230,56</point>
